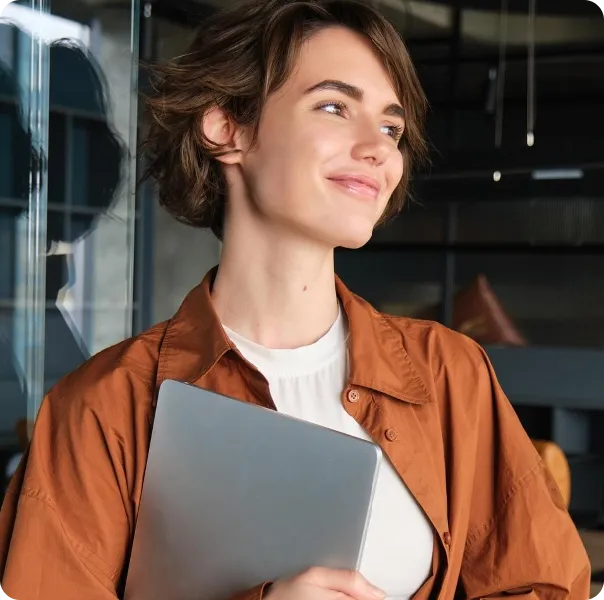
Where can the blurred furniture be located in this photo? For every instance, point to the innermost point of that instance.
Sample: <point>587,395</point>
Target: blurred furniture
<point>555,460</point>
<point>558,394</point>
<point>479,314</point>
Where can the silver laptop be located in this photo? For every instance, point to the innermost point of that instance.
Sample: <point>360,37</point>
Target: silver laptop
<point>235,495</point>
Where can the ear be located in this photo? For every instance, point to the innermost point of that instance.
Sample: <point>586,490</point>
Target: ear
<point>219,128</point>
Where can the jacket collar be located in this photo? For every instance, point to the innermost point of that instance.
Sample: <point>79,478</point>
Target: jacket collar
<point>195,341</point>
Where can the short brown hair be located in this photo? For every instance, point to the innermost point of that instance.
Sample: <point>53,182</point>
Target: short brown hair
<point>238,57</point>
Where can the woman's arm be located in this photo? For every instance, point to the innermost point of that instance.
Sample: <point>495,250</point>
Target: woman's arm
<point>68,517</point>
<point>66,521</point>
<point>521,539</point>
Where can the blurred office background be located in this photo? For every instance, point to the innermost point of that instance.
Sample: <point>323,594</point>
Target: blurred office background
<point>504,240</point>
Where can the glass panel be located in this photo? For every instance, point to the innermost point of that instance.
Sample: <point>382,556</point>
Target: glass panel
<point>24,139</point>
<point>57,148</point>
<point>93,100</point>
<point>68,110</point>
<point>7,266</point>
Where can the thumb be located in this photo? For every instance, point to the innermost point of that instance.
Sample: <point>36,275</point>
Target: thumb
<point>351,583</point>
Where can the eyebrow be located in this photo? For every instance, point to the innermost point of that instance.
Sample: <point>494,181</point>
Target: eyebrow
<point>354,92</point>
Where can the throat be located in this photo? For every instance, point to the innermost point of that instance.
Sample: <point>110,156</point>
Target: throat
<point>284,332</point>
<point>280,326</point>
<point>276,305</point>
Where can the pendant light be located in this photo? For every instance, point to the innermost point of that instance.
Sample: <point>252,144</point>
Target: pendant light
<point>530,83</point>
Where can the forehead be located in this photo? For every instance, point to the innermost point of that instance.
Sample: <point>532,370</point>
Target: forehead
<point>342,54</point>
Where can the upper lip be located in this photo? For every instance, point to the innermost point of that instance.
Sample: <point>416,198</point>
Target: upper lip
<point>358,178</point>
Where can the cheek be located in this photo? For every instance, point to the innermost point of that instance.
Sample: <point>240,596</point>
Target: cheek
<point>320,145</point>
<point>295,153</point>
<point>394,171</point>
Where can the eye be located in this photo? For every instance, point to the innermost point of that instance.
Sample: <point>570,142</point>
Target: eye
<point>394,131</point>
<point>334,108</point>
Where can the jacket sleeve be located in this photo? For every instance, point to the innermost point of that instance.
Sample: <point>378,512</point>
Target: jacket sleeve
<point>64,526</point>
<point>68,517</point>
<point>521,538</point>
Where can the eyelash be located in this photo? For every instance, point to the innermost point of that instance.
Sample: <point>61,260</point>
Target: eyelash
<point>397,130</point>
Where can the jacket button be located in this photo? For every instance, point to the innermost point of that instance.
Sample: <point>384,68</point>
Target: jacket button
<point>447,538</point>
<point>391,435</point>
<point>353,396</point>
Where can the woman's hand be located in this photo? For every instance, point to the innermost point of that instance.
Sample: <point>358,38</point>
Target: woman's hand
<point>325,584</point>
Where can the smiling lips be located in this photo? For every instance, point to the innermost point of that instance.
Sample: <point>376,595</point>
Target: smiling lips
<point>358,184</point>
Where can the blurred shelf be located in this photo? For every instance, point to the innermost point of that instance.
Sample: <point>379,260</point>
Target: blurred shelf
<point>567,378</point>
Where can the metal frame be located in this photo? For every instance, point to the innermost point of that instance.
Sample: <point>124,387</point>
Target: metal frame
<point>145,196</point>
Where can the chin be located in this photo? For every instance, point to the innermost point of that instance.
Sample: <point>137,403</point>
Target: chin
<point>353,244</point>
<point>352,238</point>
<point>336,232</point>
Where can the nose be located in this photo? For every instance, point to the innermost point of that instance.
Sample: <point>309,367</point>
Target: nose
<point>372,148</point>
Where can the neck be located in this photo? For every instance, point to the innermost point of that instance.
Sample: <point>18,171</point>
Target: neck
<point>274,290</point>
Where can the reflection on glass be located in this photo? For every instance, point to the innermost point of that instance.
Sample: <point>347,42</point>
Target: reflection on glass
<point>23,106</point>
<point>66,202</point>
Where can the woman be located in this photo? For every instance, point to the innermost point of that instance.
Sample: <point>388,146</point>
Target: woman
<point>291,128</point>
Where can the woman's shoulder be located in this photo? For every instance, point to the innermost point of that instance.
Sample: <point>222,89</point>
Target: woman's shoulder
<point>435,342</point>
<point>426,350</point>
<point>454,367</point>
<point>124,373</point>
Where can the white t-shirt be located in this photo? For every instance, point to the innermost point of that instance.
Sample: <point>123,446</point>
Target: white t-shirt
<point>307,383</point>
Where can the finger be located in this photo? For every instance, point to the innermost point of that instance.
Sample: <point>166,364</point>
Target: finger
<point>351,583</point>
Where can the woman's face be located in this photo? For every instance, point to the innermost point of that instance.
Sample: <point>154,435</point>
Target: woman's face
<point>326,159</point>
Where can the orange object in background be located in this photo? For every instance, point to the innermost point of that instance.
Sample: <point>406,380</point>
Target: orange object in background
<point>557,464</point>
<point>479,314</point>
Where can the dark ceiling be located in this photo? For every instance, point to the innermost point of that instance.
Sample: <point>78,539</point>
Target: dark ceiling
<point>547,7</point>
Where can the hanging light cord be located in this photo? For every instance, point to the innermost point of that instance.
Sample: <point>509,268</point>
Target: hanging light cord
<point>530,84</point>
<point>503,36</point>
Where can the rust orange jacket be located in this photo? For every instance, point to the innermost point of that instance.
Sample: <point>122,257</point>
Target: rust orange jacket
<point>428,396</point>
